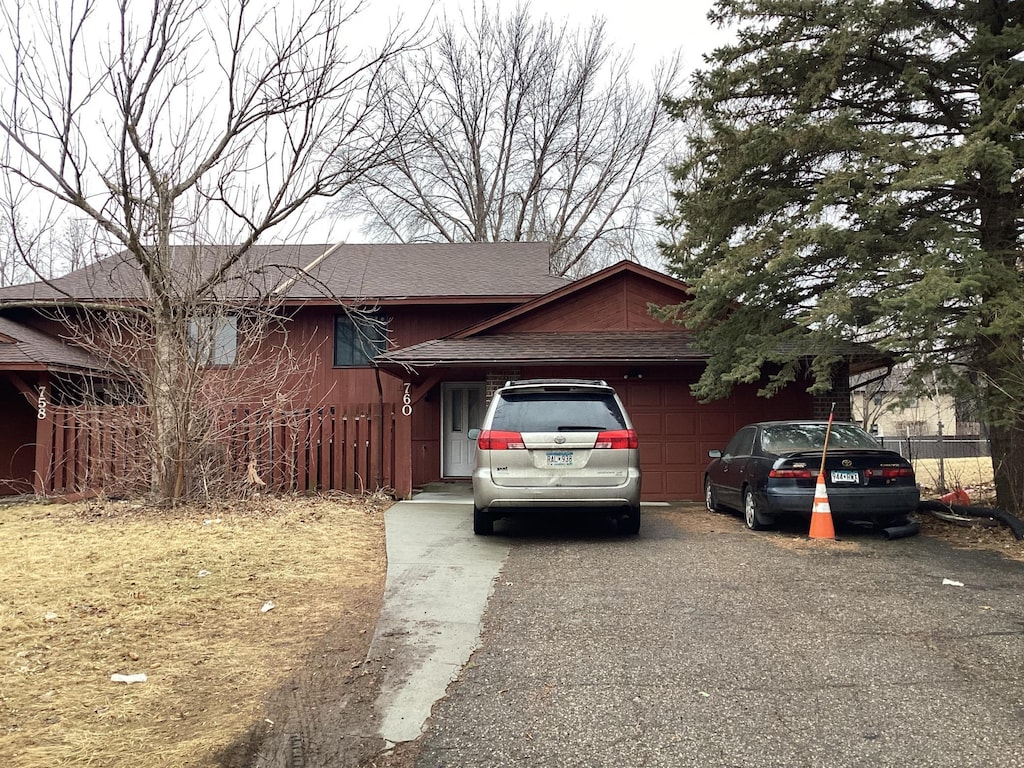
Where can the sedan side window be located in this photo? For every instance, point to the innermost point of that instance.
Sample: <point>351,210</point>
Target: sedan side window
<point>741,443</point>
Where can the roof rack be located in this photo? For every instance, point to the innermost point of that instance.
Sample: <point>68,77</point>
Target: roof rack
<point>563,382</point>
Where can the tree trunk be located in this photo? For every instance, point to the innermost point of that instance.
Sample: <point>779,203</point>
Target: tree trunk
<point>164,396</point>
<point>1002,365</point>
<point>1007,441</point>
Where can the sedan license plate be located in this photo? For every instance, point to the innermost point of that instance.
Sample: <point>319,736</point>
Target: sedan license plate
<point>559,458</point>
<point>845,477</point>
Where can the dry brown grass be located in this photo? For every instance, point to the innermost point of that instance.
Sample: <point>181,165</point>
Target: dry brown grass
<point>88,591</point>
<point>960,473</point>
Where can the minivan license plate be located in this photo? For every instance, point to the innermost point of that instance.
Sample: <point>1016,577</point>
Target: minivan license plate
<point>559,458</point>
<point>845,477</point>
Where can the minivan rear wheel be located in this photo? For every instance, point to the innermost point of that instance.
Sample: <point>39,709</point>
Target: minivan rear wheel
<point>629,524</point>
<point>483,522</point>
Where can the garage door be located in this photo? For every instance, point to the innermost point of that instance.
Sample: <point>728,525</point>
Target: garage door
<point>667,420</point>
<point>676,431</point>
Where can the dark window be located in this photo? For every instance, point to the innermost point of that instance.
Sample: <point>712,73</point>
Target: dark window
<point>741,443</point>
<point>359,338</point>
<point>557,412</point>
<point>787,438</point>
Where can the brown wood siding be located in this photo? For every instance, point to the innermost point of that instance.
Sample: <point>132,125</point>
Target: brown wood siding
<point>312,333</point>
<point>426,438</point>
<point>617,305</point>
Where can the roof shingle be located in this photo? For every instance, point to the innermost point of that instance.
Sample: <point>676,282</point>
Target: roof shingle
<point>622,347</point>
<point>26,348</point>
<point>427,271</point>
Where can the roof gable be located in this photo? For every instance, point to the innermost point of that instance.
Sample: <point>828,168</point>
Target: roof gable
<point>597,320</point>
<point>612,300</point>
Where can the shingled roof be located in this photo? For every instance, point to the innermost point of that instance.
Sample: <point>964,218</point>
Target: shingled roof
<point>626,347</point>
<point>23,348</point>
<point>387,273</point>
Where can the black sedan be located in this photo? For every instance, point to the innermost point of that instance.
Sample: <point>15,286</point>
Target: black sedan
<point>770,469</point>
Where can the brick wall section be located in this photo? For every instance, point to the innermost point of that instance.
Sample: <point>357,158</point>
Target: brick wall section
<point>497,378</point>
<point>840,395</point>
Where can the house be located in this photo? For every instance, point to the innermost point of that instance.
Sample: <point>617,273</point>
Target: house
<point>928,422</point>
<point>453,322</point>
<point>883,405</point>
<point>31,361</point>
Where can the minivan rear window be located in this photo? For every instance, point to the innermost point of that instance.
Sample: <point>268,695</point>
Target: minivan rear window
<point>557,412</point>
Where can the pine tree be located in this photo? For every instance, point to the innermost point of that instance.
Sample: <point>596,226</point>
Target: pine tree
<point>856,174</point>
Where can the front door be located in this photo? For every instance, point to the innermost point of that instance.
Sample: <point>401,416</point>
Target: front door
<point>462,410</point>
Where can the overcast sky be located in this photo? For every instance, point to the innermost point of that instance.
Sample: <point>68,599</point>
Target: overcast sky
<point>653,29</point>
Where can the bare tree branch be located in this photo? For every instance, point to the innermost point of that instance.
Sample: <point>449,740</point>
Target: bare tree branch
<point>516,129</point>
<point>179,125</point>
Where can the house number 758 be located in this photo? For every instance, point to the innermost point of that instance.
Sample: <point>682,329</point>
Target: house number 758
<point>41,413</point>
<point>407,401</point>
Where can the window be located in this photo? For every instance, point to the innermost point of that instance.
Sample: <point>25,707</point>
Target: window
<point>742,442</point>
<point>214,340</point>
<point>789,438</point>
<point>359,338</point>
<point>557,412</point>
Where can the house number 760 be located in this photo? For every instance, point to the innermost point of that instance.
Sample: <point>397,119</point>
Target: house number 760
<point>407,401</point>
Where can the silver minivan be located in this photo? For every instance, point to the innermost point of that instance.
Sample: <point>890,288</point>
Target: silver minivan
<point>556,443</point>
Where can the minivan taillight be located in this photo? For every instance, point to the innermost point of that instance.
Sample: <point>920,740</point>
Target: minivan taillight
<point>497,440</point>
<point>617,438</point>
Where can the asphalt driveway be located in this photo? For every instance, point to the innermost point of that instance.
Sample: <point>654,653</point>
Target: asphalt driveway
<point>702,644</point>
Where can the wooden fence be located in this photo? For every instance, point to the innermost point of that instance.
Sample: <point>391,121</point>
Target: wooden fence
<point>326,448</point>
<point>938,446</point>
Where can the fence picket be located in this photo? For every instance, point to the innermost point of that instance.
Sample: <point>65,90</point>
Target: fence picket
<point>324,447</point>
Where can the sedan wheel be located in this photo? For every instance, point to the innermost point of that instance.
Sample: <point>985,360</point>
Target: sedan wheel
<point>709,496</point>
<point>750,511</point>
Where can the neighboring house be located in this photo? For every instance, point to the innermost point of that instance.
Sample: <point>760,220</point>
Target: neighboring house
<point>460,319</point>
<point>36,368</point>
<point>884,407</point>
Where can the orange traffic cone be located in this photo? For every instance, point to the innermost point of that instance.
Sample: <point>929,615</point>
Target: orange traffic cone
<point>959,496</point>
<point>821,513</point>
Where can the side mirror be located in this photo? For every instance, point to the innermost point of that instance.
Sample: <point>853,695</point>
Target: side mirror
<point>714,453</point>
<point>473,434</point>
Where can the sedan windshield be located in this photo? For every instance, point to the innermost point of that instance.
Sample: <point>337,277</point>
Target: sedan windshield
<point>788,438</point>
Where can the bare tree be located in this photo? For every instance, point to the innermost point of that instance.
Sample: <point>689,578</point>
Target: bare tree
<point>186,123</point>
<point>516,129</point>
<point>67,245</point>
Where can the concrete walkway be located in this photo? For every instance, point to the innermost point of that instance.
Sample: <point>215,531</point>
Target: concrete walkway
<point>439,579</point>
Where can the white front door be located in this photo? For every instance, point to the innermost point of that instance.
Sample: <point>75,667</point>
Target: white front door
<point>462,409</point>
